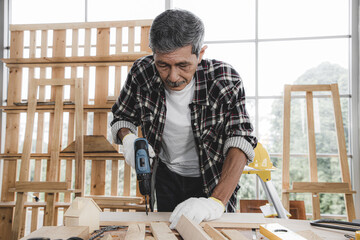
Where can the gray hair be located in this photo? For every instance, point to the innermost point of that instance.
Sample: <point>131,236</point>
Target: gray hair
<point>174,29</point>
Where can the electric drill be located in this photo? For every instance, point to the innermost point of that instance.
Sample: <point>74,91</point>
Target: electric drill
<point>142,167</point>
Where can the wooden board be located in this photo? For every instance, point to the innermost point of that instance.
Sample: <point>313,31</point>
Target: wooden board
<point>239,220</point>
<point>161,231</point>
<point>190,230</point>
<point>213,233</point>
<point>93,144</point>
<point>233,234</point>
<point>40,186</point>
<point>61,232</point>
<point>135,232</point>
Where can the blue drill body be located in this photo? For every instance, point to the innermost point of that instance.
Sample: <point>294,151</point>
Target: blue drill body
<point>142,167</point>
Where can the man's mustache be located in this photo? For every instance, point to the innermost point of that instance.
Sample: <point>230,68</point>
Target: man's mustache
<point>174,84</point>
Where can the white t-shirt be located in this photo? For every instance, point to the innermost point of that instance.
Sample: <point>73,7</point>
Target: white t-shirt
<point>178,146</point>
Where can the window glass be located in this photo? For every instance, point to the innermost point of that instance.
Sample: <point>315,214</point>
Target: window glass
<point>45,11</point>
<point>241,56</point>
<point>114,10</point>
<point>225,20</point>
<point>303,62</point>
<point>300,18</point>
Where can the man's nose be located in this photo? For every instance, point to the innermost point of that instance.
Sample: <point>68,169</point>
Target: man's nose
<point>173,75</point>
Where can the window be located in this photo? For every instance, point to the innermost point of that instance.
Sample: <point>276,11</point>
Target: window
<point>277,42</point>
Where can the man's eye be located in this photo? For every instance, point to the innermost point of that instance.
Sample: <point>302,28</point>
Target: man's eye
<point>183,65</point>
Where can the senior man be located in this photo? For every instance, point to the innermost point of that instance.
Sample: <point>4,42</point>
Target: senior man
<point>192,112</point>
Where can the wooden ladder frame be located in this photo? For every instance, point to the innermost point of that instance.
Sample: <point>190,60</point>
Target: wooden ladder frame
<point>314,186</point>
<point>52,185</point>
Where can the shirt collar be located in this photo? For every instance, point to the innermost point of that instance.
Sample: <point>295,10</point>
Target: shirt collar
<point>201,91</point>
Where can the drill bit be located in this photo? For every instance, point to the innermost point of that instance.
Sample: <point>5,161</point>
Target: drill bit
<point>146,207</point>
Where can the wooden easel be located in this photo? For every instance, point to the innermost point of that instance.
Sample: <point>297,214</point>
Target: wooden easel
<point>314,187</point>
<point>52,185</point>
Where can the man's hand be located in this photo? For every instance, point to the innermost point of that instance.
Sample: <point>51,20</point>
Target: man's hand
<point>198,210</point>
<point>129,154</point>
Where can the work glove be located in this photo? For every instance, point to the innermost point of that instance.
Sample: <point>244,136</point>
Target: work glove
<point>129,151</point>
<point>198,210</point>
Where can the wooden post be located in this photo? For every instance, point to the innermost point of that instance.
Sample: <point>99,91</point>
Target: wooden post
<point>312,153</point>
<point>345,173</point>
<point>101,92</point>
<point>12,133</point>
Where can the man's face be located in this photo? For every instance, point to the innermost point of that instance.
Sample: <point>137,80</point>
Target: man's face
<point>177,68</point>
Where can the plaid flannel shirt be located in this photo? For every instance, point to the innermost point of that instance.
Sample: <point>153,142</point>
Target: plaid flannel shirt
<point>218,116</point>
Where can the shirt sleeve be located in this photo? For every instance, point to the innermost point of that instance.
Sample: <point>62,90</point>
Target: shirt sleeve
<point>238,127</point>
<point>124,110</point>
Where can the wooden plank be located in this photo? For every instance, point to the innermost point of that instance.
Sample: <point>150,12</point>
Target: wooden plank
<point>71,121</point>
<point>25,158</point>
<point>233,234</point>
<point>18,220</point>
<point>56,82</point>
<point>56,120</point>
<point>127,179</point>
<point>321,187</point>
<point>286,147</point>
<point>310,88</point>
<point>144,45</point>
<point>60,232</point>
<point>121,57</point>
<point>161,231</point>
<point>190,230</point>
<point>40,127</point>
<point>11,137</point>
<point>104,200</point>
<point>79,139</point>
<point>49,213</point>
<point>118,44</point>
<point>131,40</point>
<point>93,144</point>
<point>32,44</point>
<point>311,137</point>
<point>5,222</point>
<point>87,156</point>
<point>114,177</point>
<point>213,233</point>
<point>312,153</point>
<point>308,234</point>
<point>341,141</point>
<point>33,204</point>
<point>340,134</point>
<point>100,119</point>
<point>23,221</point>
<point>231,220</point>
<point>77,25</point>
<point>135,232</point>
<point>17,228</point>
<point>27,186</point>
<point>34,218</point>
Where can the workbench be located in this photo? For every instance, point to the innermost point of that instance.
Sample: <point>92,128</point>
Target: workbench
<point>243,222</point>
<point>240,221</point>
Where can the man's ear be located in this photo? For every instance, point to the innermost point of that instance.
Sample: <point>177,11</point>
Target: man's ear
<point>201,54</point>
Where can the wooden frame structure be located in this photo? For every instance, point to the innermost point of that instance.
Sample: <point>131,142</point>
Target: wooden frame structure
<point>100,53</point>
<point>314,187</point>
